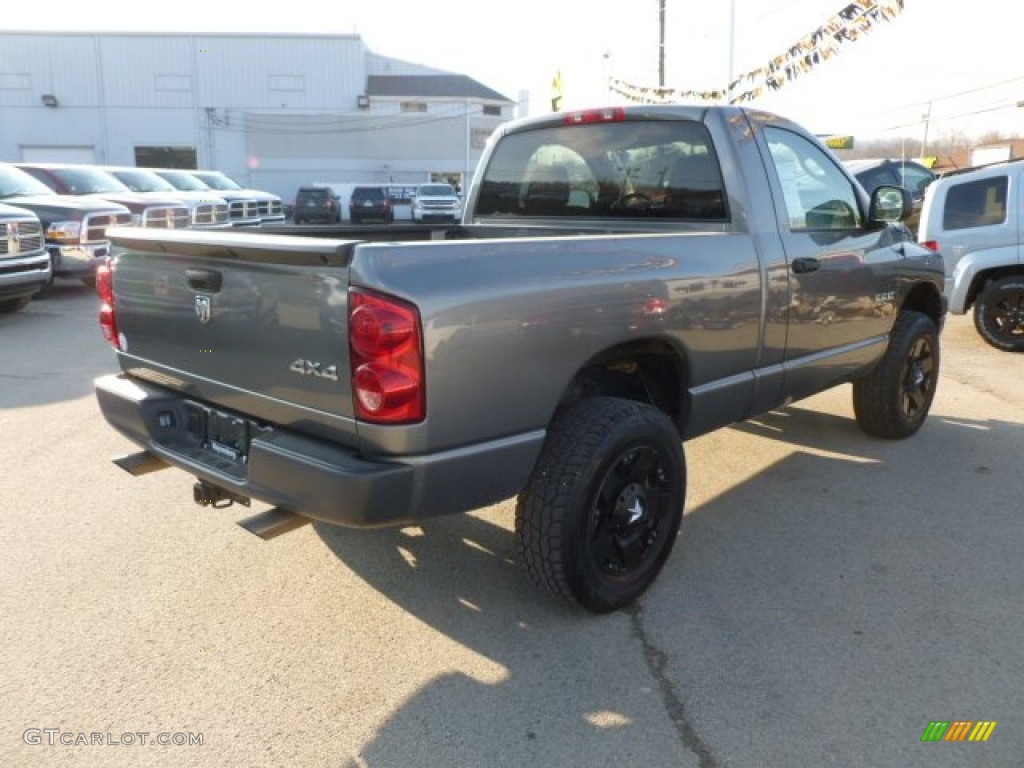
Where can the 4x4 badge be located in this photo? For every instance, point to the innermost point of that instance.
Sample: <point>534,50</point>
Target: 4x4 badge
<point>203,309</point>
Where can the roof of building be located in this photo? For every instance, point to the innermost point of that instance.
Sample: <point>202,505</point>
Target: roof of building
<point>431,86</point>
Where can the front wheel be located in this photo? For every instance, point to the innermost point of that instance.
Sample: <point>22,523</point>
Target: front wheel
<point>601,511</point>
<point>894,399</point>
<point>999,313</point>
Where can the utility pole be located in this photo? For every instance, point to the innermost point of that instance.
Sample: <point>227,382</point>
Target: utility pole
<point>661,43</point>
<point>732,50</point>
<point>927,117</point>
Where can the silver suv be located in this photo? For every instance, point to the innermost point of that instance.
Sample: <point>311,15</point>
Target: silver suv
<point>436,201</point>
<point>973,219</point>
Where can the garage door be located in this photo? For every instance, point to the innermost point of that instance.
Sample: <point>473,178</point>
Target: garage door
<point>57,154</point>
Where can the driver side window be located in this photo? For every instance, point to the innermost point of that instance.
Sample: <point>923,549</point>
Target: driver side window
<point>817,194</point>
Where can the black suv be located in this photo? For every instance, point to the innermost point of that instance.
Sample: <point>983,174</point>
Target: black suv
<point>370,203</point>
<point>316,204</point>
<point>908,174</point>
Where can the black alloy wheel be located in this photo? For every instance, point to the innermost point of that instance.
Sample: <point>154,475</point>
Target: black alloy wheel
<point>919,375</point>
<point>999,313</point>
<point>630,512</point>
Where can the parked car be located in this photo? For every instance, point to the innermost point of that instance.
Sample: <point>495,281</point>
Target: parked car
<point>244,210</point>
<point>370,203</point>
<point>270,209</point>
<point>974,220</point>
<point>74,228</point>
<point>24,263</point>
<point>436,201</point>
<point>87,180</point>
<point>317,204</point>
<point>206,209</point>
<point>909,174</point>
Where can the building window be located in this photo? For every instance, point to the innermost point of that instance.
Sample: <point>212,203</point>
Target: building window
<point>492,111</point>
<point>166,157</point>
<point>414,106</point>
<point>479,137</point>
<point>173,83</point>
<point>286,82</point>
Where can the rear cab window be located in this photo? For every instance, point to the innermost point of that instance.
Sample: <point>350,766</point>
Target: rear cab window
<point>369,193</point>
<point>659,169</point>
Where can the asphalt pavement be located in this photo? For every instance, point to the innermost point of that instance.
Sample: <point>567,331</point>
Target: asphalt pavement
<point>831,597</point>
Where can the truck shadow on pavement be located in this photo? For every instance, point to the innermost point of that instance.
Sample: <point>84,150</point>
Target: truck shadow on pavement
<point>48,357</point>
<point>826,608</point>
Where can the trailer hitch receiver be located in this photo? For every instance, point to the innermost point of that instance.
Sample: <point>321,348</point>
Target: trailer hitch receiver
<point>209,495</point>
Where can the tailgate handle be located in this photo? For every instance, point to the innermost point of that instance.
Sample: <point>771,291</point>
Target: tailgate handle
<point>208,280</point>
<point>803,266</point>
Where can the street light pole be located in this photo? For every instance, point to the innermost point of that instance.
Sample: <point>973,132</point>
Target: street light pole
<point>927,116</point>
<point>661,43</point>
<point>732,49</point>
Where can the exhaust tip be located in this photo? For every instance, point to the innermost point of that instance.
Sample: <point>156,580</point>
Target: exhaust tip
<point>141,463</point>
<point>273,523</point>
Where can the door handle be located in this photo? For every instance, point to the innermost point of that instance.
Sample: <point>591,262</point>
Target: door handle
<point>208,280</point>
<point>805,265</point>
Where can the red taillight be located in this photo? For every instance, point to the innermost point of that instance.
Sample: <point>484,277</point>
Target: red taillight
<point>105,288</point>
<point>655,307</point>
<point>606,115</point>
<point>931,245</point>
<point>386,349</point>
<point>104,282</point>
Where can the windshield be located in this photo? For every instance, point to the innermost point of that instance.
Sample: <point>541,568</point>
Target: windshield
<point>664,169</point>
<point>88,181</point>
<point>216,180</point>
<point>143,181</point>
<point>183,180</point>
<point>437,190</point>
<point>15,182</point>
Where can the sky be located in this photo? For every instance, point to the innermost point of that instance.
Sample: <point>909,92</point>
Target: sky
<point>937,58</point>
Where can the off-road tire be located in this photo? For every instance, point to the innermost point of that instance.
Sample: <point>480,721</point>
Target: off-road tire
<point>894,399</point>
<point>999,313</point>
<point>601,511</point>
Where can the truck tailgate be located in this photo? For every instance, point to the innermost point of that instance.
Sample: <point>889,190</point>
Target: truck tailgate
<point>256,327</point>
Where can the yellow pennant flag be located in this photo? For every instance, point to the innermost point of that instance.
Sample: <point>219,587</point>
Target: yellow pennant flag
<point>556,92</point>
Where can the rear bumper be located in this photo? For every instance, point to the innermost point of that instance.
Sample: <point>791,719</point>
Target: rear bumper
<point>316,478</point>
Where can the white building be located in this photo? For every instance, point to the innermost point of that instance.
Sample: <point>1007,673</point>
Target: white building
<point>275,112</point>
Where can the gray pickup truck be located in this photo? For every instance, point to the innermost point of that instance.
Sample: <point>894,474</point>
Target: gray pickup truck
<point>622,280</point>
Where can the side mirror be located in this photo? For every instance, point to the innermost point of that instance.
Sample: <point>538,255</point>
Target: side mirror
<point>889,205</point>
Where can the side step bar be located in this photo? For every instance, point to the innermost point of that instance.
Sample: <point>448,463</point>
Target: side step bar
<point>141,463</point>
<point>272,523</point>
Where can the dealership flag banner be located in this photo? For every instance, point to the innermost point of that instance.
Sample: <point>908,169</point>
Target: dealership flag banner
<point>829,40</point>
